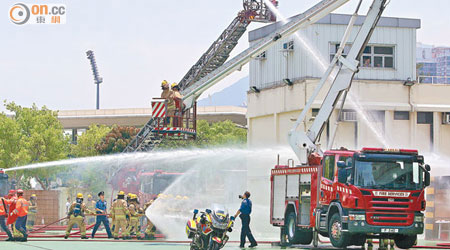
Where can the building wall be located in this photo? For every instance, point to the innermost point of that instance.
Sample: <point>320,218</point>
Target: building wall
<point>300,64</point>
<point>273,111</point>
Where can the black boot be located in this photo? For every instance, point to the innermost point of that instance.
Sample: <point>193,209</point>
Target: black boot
<point>10,239</point>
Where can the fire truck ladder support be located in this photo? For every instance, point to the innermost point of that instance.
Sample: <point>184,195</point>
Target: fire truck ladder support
<point>214,57</point>
<point>145,140</point>
<point>218,53</point>
<point>340,72</point>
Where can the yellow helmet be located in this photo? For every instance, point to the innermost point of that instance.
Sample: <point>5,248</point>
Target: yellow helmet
<point>33,195</point>
<point>121,193</point>
<point>89,196</point>
<point>80,195</point>
<point>174,85</point>
<point>164,83</point>
<point>133,196</point>
<point>185,198</point>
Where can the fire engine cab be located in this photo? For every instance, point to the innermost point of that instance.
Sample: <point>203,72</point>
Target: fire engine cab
<point>350,196</point>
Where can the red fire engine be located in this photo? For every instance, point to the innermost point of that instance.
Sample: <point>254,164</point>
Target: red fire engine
<point>147,184</point>
<point>348,196</point>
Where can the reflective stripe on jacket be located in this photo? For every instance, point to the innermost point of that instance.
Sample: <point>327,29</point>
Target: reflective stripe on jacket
<point>21,207</point>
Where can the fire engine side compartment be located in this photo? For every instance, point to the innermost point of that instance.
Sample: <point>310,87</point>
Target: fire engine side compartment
<point>293,187</point>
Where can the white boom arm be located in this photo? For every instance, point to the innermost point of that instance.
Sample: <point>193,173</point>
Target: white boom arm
<point>311,16</point>
<point>340,72</point>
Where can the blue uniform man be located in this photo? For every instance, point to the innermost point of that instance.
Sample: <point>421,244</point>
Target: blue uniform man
<point>100,208</point>
<point>244,213</point>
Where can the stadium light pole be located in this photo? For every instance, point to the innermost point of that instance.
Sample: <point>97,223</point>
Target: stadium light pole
<point>97,78</point>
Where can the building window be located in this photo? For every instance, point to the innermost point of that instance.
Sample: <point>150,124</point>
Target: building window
<point>328,167</point>
<point>335,47</point>
<point>375,115</point>
<point>288,46</point>
<point>373,56</point>
<point>424,117</point>
<point>401,115</point>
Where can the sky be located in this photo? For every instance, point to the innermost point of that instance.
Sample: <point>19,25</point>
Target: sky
<point>138,43</point>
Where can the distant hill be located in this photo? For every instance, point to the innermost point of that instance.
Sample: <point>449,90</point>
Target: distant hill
<point>234,95</point>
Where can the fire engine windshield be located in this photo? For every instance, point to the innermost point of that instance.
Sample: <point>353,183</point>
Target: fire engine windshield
<point>392,173</point>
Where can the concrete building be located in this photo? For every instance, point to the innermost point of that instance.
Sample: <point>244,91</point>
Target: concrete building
<point>380,110</point>
<point>433,64</point>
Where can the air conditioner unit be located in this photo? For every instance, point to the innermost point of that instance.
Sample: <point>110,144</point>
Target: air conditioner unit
<point>348,116</point>
<point>289,46</point>
<point>446,118</point>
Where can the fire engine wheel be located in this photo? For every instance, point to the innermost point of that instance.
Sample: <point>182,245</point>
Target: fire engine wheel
<point>295,235</point>
<point>338,238</point>
<point>405,241</point>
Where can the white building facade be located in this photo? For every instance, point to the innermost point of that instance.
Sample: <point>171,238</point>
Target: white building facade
<point>380,110</point>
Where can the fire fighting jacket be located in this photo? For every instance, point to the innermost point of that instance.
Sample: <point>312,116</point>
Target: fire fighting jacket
<point>119,207</point>
<point>168,95</point>
<point>21,207</point>
<point>33,207</point>
<point>78,209</point>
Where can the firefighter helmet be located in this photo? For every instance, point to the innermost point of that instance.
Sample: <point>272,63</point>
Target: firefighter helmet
<point>80,196</point>
<point>121,193</point>
<point>164,82</point>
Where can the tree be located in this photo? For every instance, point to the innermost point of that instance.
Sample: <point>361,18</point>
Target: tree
<point>88,141</point>
<point>211,134</point>
<point>11,152</point>
<point>39,137</point>
<point>117,139</point>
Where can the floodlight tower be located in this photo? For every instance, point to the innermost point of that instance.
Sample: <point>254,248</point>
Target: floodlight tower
<point>97,78</point>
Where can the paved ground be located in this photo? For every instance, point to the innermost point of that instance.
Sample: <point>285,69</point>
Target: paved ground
<point>76,244</point>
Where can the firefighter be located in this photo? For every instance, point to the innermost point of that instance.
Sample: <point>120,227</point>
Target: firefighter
<point>21,211</point>
<point>90,204</point>
<point>3,216</point>
<point>76,215</point>
<point>11,202</point>
<point>244,213</point>
<point>119,211</point>
<point>135,213</point>
<point>167,94</point>
<point>177,98</point>
<point>128,204</point>
<point>100,208</point>
<point>32,211</point>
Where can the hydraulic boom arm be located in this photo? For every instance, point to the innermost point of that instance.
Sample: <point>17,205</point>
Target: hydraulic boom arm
<point>340,72</point>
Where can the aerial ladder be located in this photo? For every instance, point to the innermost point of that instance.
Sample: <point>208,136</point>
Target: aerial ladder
<point>303,144</point>
<point>155,129</point>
